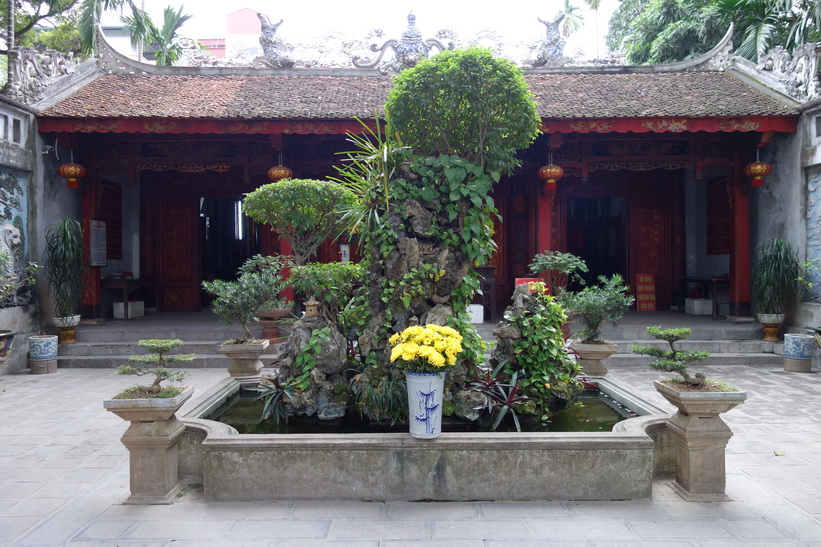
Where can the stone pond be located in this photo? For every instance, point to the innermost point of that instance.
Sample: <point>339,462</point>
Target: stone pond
<point>610,465</point>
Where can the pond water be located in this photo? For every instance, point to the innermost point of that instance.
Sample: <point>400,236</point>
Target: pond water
<point>592,411</point>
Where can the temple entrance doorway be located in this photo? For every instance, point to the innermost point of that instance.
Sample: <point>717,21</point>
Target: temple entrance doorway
<point>597,232</point>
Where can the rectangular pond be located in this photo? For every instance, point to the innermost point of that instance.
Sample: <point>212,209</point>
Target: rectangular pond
<point>457,466</point>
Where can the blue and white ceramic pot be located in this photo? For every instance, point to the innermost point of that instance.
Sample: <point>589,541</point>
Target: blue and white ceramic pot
<point>799,346</point>
<point>425,404</point>
<point>42,347</point>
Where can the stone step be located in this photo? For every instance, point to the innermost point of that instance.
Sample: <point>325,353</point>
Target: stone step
<point>124,349</point>
<point>752,359</point>
<point>211,359</point>
<point>718,332</point>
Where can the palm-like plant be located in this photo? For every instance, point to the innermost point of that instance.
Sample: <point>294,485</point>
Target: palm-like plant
<point>91,13</point>
<point>144,31</point>
<point>63,261</point>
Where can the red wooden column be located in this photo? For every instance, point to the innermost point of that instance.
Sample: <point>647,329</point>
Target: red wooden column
<point>92,288</point>
<point>740,308</point>
<point>544,218</point>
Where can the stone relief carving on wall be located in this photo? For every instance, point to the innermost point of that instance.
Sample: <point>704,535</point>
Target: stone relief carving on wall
<point>814,231</point>
<point>34,71</point>
<point>798,73</point>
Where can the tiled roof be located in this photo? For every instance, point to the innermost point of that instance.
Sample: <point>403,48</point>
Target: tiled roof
<point>560,96</point>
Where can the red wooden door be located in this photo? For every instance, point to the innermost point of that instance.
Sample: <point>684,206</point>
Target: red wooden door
<point>178,254</point>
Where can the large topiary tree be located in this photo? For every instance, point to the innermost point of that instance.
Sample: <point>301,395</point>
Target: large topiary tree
<point>463,114</point>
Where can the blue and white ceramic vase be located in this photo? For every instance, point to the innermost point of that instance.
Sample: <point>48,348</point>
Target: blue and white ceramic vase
<point>42,347</point>
<point>799,346</point>
<point>425,404</point>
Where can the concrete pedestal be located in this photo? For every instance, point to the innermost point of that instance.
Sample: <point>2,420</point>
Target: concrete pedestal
<point>244,358</point>
<point>152,448</point>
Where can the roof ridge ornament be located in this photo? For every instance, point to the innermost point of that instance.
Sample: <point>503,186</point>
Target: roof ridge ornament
<point>797,73</point>
<point>408,51</point>
<point>551,50</point>
<point>32,72</point>
<point>273,47</point>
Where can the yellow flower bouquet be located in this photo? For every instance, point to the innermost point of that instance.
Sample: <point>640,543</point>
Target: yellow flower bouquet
<point>429,350</point>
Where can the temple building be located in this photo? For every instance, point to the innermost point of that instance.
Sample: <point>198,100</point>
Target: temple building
<point>654,160</point>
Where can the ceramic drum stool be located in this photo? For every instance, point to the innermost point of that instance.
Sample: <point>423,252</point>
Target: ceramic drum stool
<point>42,353</point>
<point>798,349</point>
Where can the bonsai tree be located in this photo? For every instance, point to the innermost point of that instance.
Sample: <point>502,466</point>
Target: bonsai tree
<point>155,362</point>
<point>778,278</point>
<point>63,261</point>
<point>271,268</point>
<point>597,304</point>
<point>304,212</point>
<point>673,360</point>
<point>558,269</point>
<point>240,300</point>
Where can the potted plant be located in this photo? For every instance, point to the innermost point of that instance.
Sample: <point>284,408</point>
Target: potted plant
<point>558,269</point>
<point>699,434</point>
<point>63,261</point>
<point>777,284</point>
<point>155,430</point>
<point>425,353</point>
<point>274,309</point>
<point>239,301</point>
<point>594,305</point>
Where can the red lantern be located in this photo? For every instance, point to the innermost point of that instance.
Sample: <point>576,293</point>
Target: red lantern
<point>279,172</point>
<point>758,170</point>
<point>72,172</point>
<point>550,173</point>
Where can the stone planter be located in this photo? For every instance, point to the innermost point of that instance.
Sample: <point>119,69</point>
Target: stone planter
<point>66,326</point>
<point>425,404</point>
<point>151,440</point>
<point>770,325</point>
<point>592,356</point>
<point>244,357</point>
<point>42,351</point>
<point>699,437</point>
<point>798,350</point>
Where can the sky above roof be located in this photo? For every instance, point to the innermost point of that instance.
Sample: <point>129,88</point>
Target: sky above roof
<point>514,19</point>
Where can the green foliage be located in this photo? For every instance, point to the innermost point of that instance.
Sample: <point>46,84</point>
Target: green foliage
<point>63,262</point>
<point>306,360</point>
<point>501,393</point>
<point>763,24</point>
<point>597,304</point>
<point>672,360</point>
<point>305,212</point>
<point>156,359</point>
<point>332,284</point>
<point>144,30</point>
<point>276,394</point>
<point>270,270</point>
<point>29,14</point>
<point>383,399</point>
<point>559,269</point>
<point>548,370</point>
<point>464,102</point>
<point>64,37</point>
<point>259,284</point>
<point>778,278</point>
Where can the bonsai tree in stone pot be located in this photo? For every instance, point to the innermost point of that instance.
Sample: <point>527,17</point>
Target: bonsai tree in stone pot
<point>239,301</point>
<point>778,282</point>
<point>699,434</point>
<point>558,269</point>
<point>594,305</point>
<point>273,310</point>
<point>155,431</point>
<point>65,269</point>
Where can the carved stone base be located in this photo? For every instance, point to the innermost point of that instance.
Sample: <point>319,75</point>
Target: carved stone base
<point>244,358</point>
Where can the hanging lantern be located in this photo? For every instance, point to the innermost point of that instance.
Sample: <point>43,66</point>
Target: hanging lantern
<point>758,170</point>
<point>72,172</point>
<point>279,172</point>
<point>550,173</point>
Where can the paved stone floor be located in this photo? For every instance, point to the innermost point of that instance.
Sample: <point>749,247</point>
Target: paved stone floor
<point>64,474</point>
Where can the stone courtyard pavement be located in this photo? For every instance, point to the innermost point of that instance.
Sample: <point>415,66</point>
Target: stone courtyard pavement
<point>64,474</point>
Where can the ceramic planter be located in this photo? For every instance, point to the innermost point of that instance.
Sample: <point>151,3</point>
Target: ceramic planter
<point>244,357</point>
<point>66,326</point>
<point>42,350</point>
<point>699,438</point>
<point>152,440</point>
<point>6,342</point>
<point>770,325</point>
<point>270,320</point>
<point>592,356</point>
<point>798,351</point>
<point>425,404</point>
